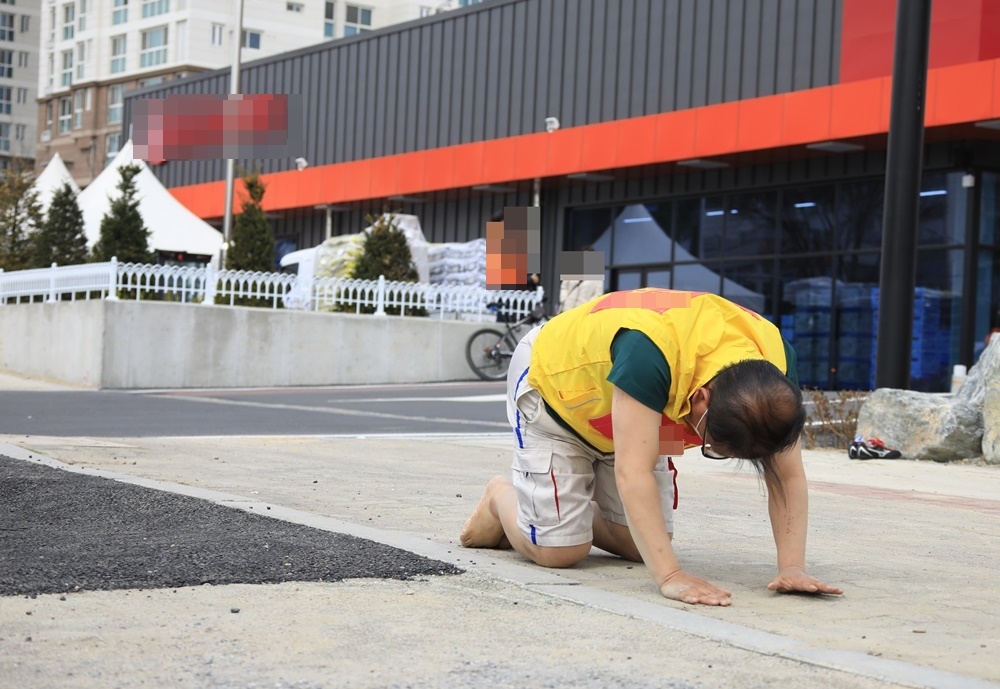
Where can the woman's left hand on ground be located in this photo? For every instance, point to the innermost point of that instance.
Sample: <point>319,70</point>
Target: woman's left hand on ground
<point>795,579</point>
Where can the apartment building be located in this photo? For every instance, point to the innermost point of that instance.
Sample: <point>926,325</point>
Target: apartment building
<point>94,51</point>
<point>19,31</point>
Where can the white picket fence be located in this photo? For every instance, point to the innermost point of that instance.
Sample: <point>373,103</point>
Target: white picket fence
<point>114,280</point>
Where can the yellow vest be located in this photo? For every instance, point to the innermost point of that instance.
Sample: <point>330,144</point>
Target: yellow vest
<point>699,334</point>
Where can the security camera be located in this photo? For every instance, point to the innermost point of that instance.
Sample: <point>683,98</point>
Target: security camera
<point>301,163</point>
<point>551,124</point>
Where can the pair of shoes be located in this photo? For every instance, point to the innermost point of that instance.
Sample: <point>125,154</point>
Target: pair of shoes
<point>873,448</point>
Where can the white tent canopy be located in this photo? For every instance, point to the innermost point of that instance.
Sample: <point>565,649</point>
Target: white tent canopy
<point>51,180</point>
<point>172,227</point>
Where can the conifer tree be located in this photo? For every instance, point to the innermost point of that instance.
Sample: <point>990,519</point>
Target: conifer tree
<point>20,218</point>
<point>385,252</point>
<point>252,245</point>
<point>61,239</point>
<point>123,232</point>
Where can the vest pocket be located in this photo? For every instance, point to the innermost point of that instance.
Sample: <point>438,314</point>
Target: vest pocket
<point>537,492</point>
<point>577,398</point>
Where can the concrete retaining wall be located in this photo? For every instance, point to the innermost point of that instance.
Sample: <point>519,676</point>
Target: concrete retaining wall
<point>62,341</point>
<point>127,344</point>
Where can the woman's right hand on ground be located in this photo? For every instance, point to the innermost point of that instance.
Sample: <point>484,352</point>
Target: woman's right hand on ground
<point>691,589</point>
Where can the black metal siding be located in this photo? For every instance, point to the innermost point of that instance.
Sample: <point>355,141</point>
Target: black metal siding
<point>498,69</point>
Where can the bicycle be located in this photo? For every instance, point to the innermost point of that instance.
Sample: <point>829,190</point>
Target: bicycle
<point>488,351</point>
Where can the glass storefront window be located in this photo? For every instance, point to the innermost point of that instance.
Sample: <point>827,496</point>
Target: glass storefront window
<point>859,215</point>
<point>750,284</point>
<point>937,308</point>
<point>987,298</point>
<point>628,279</point>
<point>697,277</point>
<point>806,292</point>
<point>808,259</point>
<point>854,320</point>
<point>751,224</point>
<point>989,209</point>
<point>942,208</point>
<point>587,226</point>
<point>639,237</point>
<point>700,223</point>
<point>808,220</point>
<point>658,278</point>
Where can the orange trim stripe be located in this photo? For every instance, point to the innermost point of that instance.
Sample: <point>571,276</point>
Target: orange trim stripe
<point>956,95</point>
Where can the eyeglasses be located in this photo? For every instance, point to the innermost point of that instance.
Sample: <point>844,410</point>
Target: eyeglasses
<point>706,449</point>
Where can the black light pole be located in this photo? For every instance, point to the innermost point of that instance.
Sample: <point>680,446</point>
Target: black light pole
<point>902,195</point>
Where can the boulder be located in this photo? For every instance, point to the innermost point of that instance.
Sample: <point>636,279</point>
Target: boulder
<point>991,423</point>
<point>983,376</point>
<point>921,425</point>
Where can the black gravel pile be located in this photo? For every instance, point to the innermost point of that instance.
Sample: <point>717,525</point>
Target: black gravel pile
<point>63,532</point>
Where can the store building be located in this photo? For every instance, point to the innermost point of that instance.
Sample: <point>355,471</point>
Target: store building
<point>734,146</point>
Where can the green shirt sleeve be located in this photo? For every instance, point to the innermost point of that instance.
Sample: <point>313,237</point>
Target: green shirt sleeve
<point>791,362</point>
<point>639,368</point>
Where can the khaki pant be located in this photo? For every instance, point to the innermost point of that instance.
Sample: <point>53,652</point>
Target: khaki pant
<point>557,475</point>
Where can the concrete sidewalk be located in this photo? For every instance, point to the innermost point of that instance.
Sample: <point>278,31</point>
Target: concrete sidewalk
<point>915,546</point>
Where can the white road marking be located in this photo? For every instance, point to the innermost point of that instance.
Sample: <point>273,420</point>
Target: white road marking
<point>339,411</point>
<point>472,398</point>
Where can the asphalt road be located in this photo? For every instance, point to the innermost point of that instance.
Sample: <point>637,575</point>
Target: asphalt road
<point>410,409</point>
<point>63,532</point>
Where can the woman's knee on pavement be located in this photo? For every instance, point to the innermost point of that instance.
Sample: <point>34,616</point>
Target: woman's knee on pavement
<point>559,556</point>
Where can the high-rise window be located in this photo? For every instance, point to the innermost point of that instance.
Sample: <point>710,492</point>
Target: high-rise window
<point>25,23</point>
<point>65,115</point>
<point>328,19</point>
<point>20,131</point>
<point>22,95</point>
<point>81,59</point>
<point>5,95</point>
<point>6,63</point>
<point>78,108</point>
<point>82,20</point>
<point>6,26</point>
<point>66,78</point>
<point>117,54</point>
<point>251,39</point>
<point>217,33</point>
<point>120,14</point>
<point>358,20</point>
<point>112,144</point>
<point>181,41</point>
<point>154,47</point>
<point>294,6</point>
<point>22,58</point>
<point>116,96</point>
<point>4,137</point>
<point>69,21</point>
<point>152,8</point>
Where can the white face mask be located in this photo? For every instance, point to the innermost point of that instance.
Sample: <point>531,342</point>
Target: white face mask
<point>706,449</point>
<point>697,432</point>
